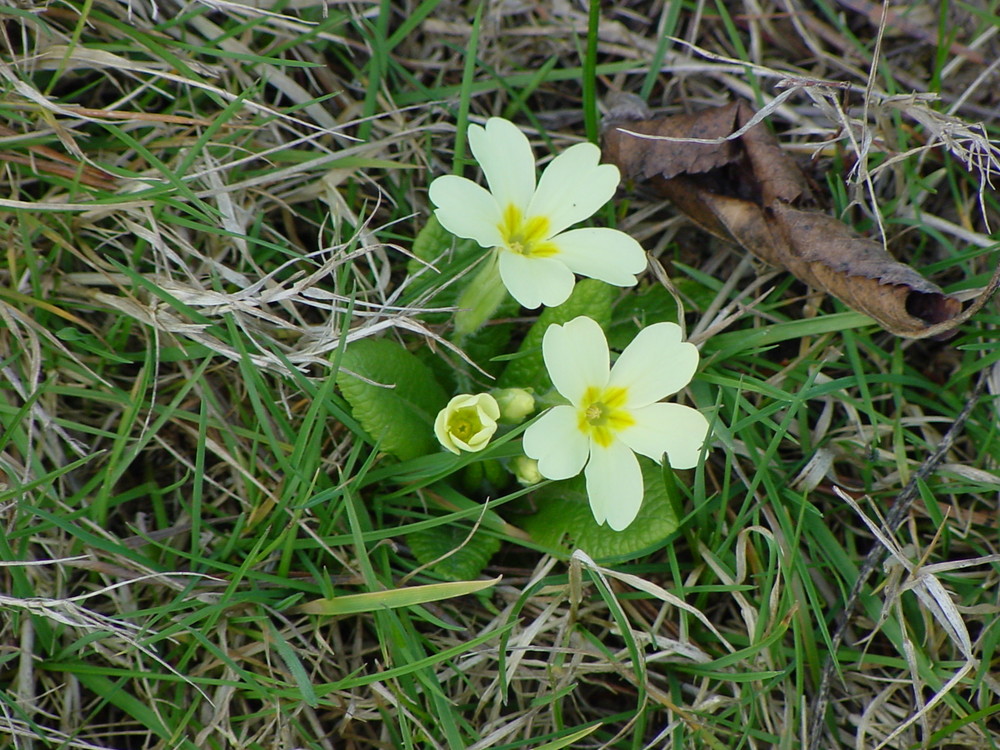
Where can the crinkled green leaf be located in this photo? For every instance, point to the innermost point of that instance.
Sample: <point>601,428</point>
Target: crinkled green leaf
<point>400,418</point>
<point>430,242</point>
<point>464,561</point>
<point>449,256</point>
<point>653,304</point>
<point>564,519</point>
<point>481,347</point>
<point>590,297</point>
<point>433,241</point>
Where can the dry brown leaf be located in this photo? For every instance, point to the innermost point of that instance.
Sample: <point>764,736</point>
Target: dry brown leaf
<point>747,190</point>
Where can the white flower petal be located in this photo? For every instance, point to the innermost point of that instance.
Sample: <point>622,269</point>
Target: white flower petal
<point>535,281</point>
<point>504,153</point>
<point>557,443</point>
<point>656,364</point>
<point>442,433</point>
<point>466,209</point>
<point>487,407</point>
<point>573,187</point>
<point>576,357</point>
<point>601,253</point>
<point>674,429</point>
<point>614,484</point>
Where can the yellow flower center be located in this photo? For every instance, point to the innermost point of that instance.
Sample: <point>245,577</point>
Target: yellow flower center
<point>465,424</point>
<point>602,414</point>
<point>526,236</point>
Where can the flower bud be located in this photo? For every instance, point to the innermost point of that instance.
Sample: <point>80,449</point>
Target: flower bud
<point>515,404</point>
<point>526,470</point>
<point>467,423</point>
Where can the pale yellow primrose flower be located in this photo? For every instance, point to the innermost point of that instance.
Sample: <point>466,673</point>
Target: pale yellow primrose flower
<point>526,225</point>
<point>614,413</point>
<point>467,423</point>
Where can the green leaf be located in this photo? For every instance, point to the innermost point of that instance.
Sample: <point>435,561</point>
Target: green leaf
<point>653,304</point>
<point>590,297</point>
<point>408,596</point>
<point>433,241</point>
<point>564,519</point>
<point>570,739</point>
<point>399,418</point>
<point>448,256</point>
<point>461,559</point>
<point>726,345</point>
<point>430,243</point>
<point>116,692</point>
<point>89,343</point>
<point>294,666</point>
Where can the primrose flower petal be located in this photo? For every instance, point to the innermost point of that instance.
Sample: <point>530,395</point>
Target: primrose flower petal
<point>682,444</point>
<point>525,226</point>
<point>504,153</point>
<point>536,281</point>
<point>614,485</point>
<point>467,423</point>
<point>576,356</point>
<point>466,209</point>
<point>601,253</point>
<point>614,414</point>
<point>560,448</point>
<point>659,342</point>
<point>574,186</point>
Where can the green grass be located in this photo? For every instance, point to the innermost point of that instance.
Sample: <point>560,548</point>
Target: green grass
<point>203,547</point>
